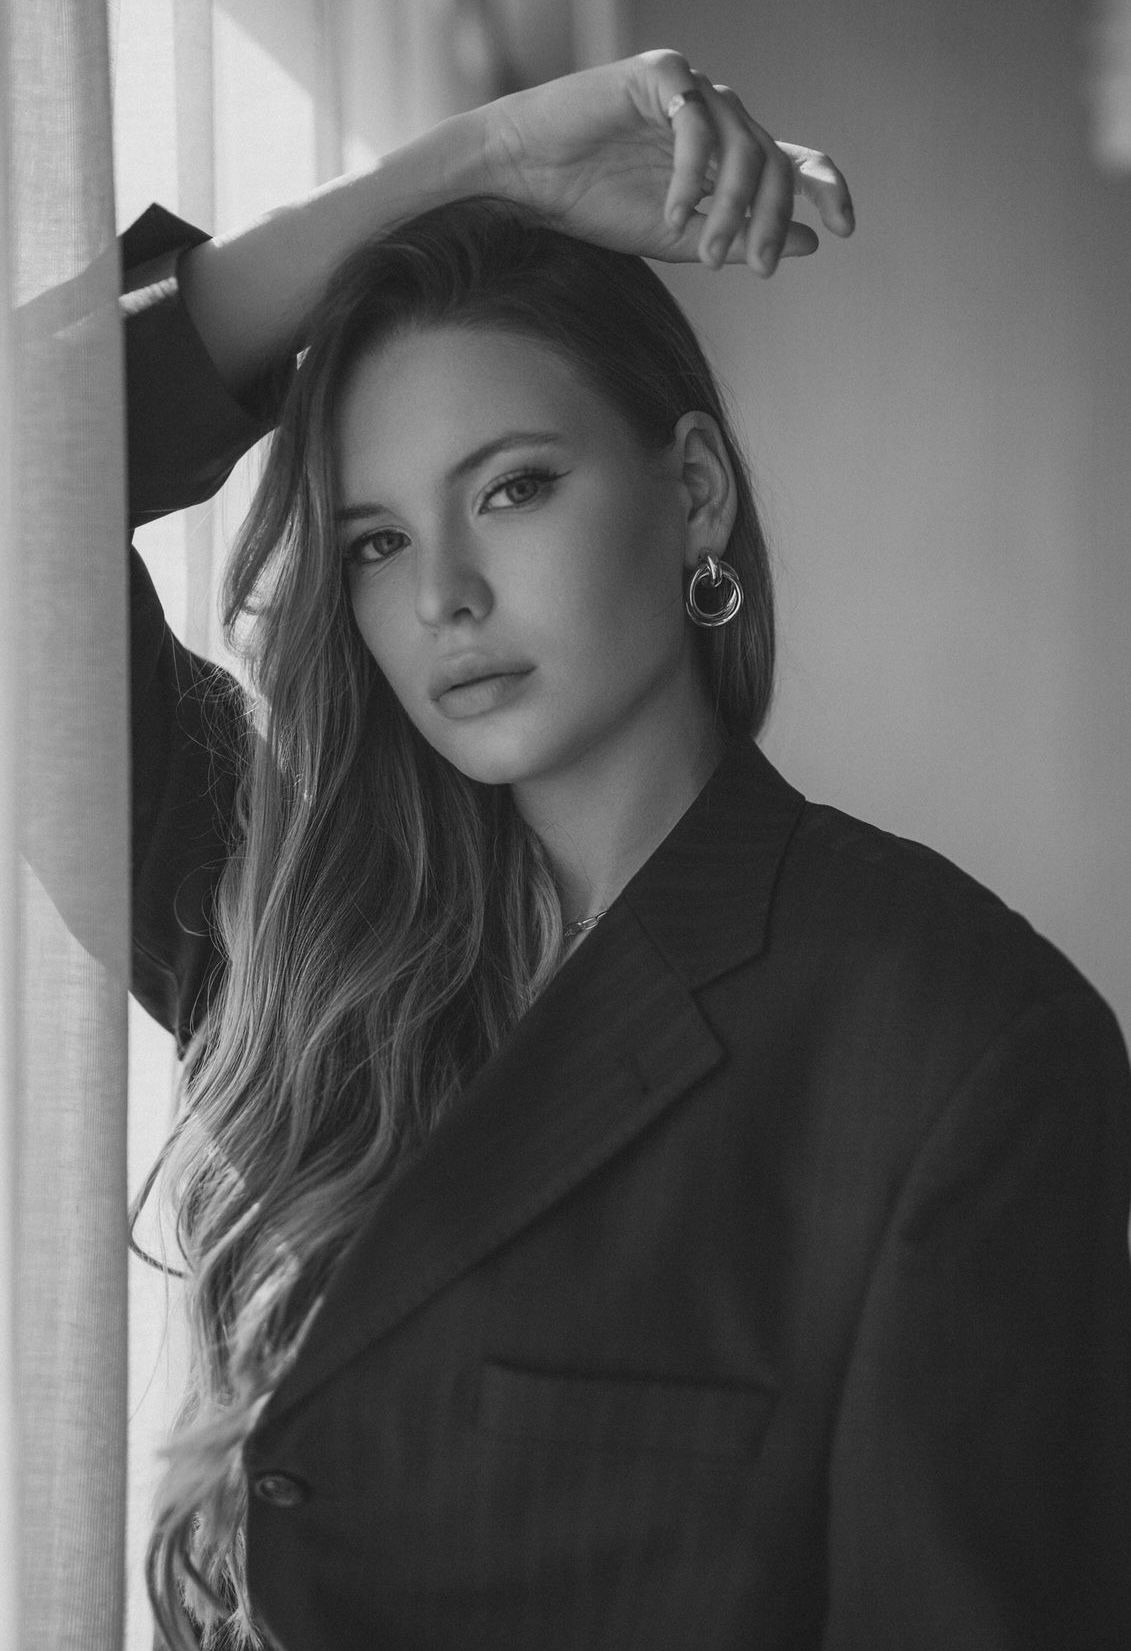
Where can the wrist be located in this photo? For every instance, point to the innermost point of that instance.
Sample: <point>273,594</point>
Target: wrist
<point>448,161</point>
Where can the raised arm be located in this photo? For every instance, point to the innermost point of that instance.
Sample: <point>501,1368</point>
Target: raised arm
<point>596,152</point>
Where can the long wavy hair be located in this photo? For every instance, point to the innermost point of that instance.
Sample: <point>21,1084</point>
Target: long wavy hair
<point>385,920</point>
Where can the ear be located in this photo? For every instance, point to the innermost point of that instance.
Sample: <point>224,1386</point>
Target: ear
<point>707,486</point>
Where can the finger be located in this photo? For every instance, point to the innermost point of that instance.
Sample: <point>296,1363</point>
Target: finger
<point>753,190</point>
<point>800,240</point>
<point>771,211</point>
<point>822,182</point>
<point>693,152</point>
<point>743,156</point>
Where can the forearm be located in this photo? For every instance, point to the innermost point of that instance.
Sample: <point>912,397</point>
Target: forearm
<point>248,293</point>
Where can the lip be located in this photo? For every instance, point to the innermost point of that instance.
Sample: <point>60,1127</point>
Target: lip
<point>471,667</point>
<point>482,696</point>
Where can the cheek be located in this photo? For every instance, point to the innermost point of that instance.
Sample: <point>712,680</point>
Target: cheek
<point>375,615</point>
<point>625,626</point>
<point>637,584</point>
<point>627,566</point>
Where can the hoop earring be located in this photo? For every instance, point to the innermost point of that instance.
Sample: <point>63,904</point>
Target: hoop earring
<point>715,572</point>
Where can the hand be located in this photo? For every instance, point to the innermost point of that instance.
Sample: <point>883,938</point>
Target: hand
<point>596,154</point>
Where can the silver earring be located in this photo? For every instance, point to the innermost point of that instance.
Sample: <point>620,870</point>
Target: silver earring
<point>715,573</point>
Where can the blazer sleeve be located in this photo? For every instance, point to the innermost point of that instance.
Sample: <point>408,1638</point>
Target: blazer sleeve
<point>184,429</point>
<point>189,729</point>
<point>980,1481</point>
<point>188,737</point>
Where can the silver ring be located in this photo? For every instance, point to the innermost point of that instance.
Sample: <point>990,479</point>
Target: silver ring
<point>675,104</point>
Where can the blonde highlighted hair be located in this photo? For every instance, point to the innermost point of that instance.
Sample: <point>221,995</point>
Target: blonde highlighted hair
<point>385,920</point>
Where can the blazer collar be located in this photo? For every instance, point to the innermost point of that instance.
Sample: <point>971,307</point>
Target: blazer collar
<point>705,894</point>
<point>615,1038</point>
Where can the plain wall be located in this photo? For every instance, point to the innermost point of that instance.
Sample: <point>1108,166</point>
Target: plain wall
<point>938,417</point>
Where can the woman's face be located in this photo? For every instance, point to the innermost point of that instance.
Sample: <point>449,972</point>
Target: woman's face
<point>500,521</point>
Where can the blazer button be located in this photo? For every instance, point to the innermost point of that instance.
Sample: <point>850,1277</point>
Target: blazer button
<point>281,1490</point>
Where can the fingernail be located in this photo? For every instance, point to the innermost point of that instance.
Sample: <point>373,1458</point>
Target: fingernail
<point>768,257</point>
<point>678,215</point>
<point>716,250</point>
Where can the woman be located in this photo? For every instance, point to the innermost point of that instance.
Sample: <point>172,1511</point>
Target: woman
<point>623,1203</point>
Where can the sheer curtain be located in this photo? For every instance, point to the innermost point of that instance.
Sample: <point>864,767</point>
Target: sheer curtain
<point>63,840</point>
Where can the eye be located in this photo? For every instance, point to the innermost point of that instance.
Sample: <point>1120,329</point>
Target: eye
<point>379,542</point>
<point>523,487</point>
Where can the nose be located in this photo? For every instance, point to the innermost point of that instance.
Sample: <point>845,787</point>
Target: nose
<point>450,581</point>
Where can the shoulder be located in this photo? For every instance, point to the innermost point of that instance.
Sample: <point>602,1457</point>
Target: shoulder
<point>895,993</point>
<point>903,935</point>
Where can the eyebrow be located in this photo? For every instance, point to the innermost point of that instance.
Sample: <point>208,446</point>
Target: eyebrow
<point>512,438</point>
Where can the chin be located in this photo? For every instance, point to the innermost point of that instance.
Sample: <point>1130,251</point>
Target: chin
<point>486,756</point>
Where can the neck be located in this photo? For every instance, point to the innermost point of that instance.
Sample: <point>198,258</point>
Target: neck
<point>602,815</point>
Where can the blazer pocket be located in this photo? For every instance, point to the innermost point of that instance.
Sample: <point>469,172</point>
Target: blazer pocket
<point>620,1414</point>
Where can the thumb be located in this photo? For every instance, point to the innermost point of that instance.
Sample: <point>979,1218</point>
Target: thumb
<point>800,241</point>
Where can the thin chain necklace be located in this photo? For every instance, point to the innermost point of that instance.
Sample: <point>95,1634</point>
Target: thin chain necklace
<point>582,925</point>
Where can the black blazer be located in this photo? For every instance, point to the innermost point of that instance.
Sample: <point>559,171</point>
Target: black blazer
<point>768,1290</point>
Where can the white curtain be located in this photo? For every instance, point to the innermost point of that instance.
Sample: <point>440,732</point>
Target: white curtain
<point>63,840</point>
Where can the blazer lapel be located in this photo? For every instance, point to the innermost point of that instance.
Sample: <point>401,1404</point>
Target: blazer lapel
<point>616,1038</point>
